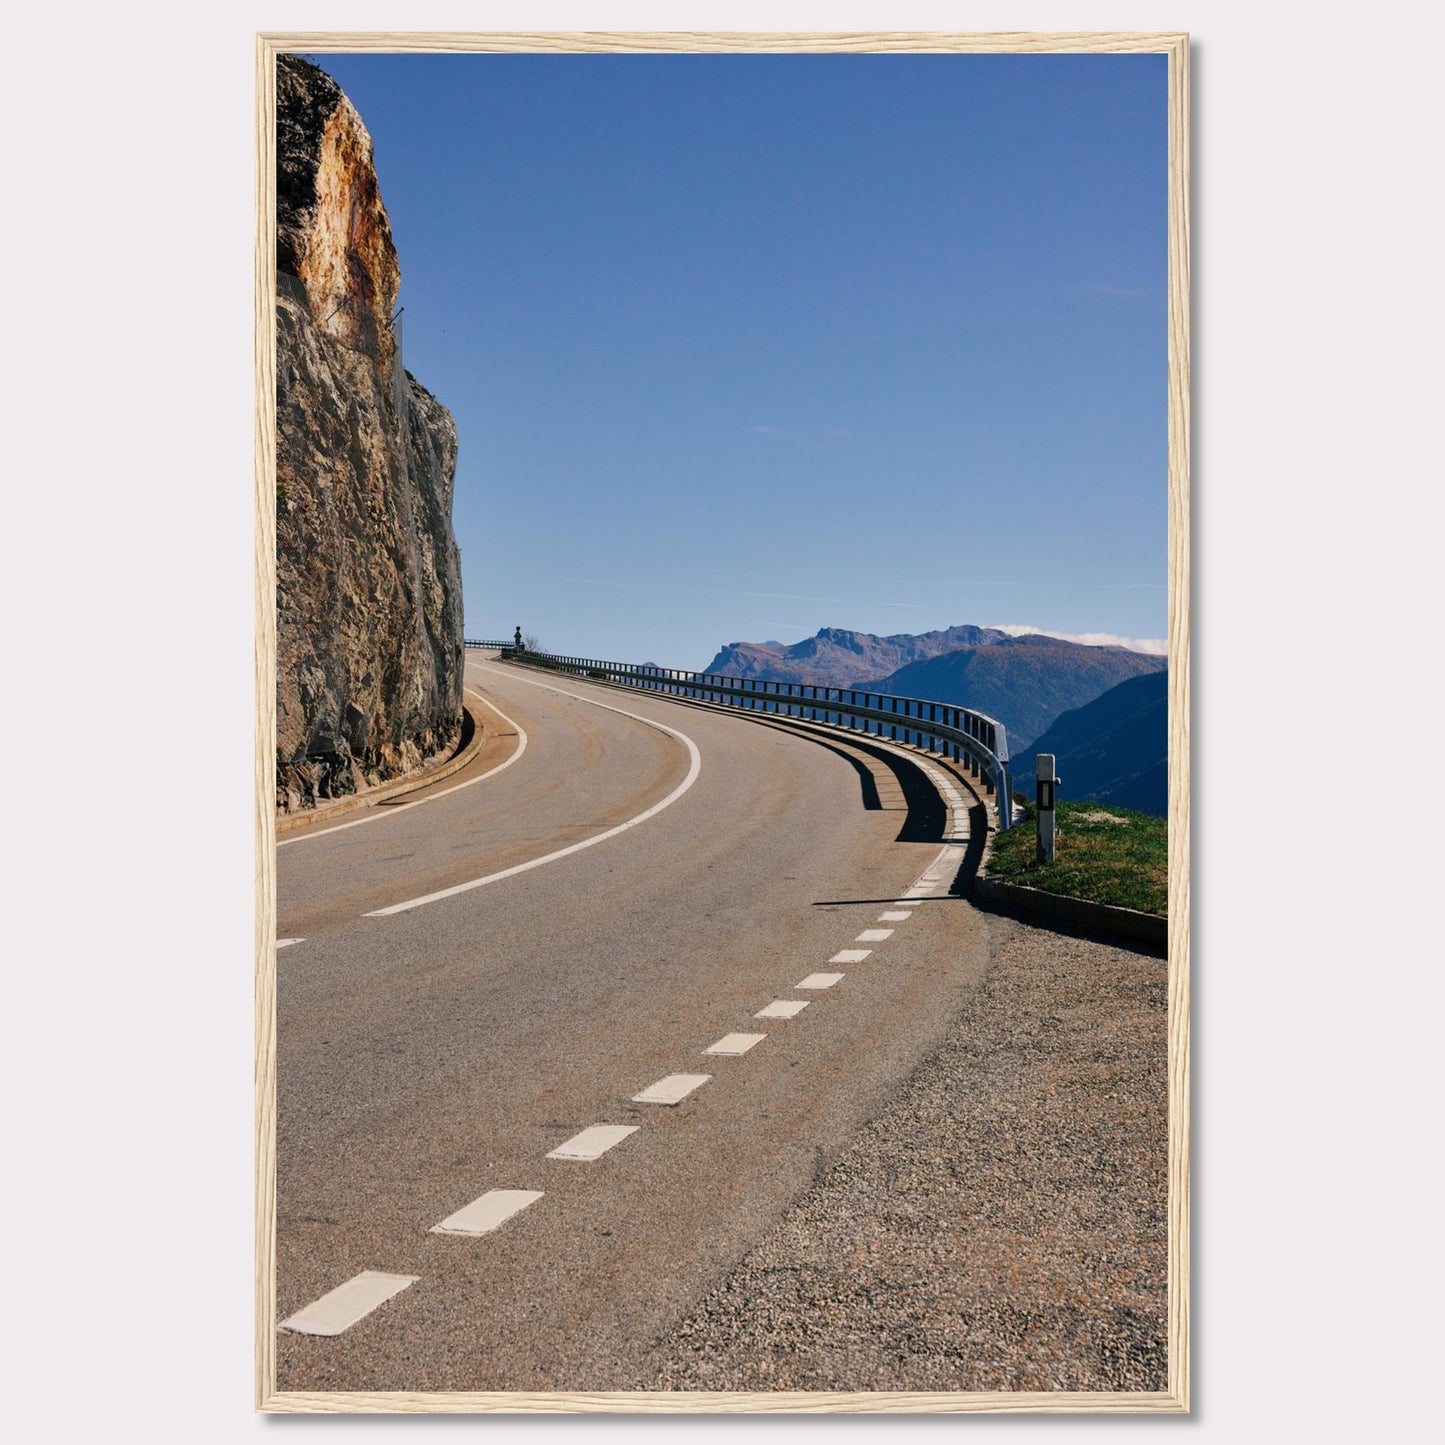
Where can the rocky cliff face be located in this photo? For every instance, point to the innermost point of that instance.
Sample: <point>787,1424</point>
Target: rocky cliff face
<point>369,596</point>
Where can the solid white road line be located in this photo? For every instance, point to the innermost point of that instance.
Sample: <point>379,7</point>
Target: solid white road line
<point>381,813</point>
<point>938,873</point>
<point>594,1142</point>
<point>694,768</point>
<point>671,1090</point>
<point>782,1008</point>
<point>347,1303</point>
<point>850,955</point>
<point>287,942</point>
<point>489,1212</point>
<point>874,935</point>
<point>819,980</point>
<point>735,1043</point>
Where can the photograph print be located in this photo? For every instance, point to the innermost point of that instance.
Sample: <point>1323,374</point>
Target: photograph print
<point>723,702</point>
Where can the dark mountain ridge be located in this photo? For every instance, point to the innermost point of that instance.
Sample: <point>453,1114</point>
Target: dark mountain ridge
<point>1112,750</point>
<point>1025,682</point>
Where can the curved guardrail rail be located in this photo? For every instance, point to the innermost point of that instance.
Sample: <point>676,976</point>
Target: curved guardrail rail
<point>971,737</point>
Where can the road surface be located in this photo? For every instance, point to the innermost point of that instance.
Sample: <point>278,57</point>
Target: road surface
<point>616,885</point>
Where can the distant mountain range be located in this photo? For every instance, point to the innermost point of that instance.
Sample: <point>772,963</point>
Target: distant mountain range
<point>837,657</point>
<point>1113,750</point>
<point>1025,682</point>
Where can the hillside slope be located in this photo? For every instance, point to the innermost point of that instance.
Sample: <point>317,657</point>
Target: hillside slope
<point>1113,750</point>
<point>1025,682</point>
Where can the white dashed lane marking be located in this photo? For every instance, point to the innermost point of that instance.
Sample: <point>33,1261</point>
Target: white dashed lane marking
<point>672,1089</point>
<point>347,1303</point>
<point>594,1142</point>
<point>735,1043</point>
<point>782,1008</point>
<point>344,1306</point>
<point>489,1212</point>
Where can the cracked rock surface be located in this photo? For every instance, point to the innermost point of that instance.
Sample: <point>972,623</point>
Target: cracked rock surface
<point>368,575</point>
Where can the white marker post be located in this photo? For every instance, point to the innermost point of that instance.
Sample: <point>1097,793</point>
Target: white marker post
<point>1046,781</point>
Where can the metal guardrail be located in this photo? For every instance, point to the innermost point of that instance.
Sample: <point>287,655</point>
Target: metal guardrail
<point>971,737</point>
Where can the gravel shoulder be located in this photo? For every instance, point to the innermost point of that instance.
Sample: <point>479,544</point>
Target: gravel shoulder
<point>1002,1225</point>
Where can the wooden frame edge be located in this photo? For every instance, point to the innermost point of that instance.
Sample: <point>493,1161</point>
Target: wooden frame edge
<point>265,769</point>
<point>782,1402</point>
<point>1179,771</point>
<point>692,41</point>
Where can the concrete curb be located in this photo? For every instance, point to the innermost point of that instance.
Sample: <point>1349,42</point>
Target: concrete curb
<point>399,787</point>
<point>1125,922</point>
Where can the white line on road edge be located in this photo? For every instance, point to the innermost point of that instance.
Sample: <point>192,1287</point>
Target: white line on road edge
<point>287,942</point>
<point>348,1302</point>
<point>850,955</point>
<point>489,1212</point>
<point>377,816</point>
<point>671,1090</point>
<point>735,1043</point>
<point>819,980</point>
<point>937,875</point>
<point>692,772</point>
<point>593,1142</point>
<point>782,1008</point>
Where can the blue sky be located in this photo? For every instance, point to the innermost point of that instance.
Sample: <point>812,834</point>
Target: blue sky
<point>739,346</point>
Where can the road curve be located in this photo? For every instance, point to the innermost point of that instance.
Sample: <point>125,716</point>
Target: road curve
<point>430,1057</point>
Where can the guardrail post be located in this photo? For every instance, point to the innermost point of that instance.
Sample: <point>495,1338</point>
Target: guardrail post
<point>1045,783</point>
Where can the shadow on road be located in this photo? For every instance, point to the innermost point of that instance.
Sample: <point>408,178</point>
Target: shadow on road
<point>927,813</point>
<point>962,884</point>
<point>866,781</point>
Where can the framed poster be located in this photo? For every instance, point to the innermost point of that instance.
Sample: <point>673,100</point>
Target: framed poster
<point>629,1040</point>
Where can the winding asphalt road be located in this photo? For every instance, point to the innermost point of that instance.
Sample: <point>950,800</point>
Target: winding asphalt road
<point>433,1056</point>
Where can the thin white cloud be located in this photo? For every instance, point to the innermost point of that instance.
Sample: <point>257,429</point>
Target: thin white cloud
<point>1154,646</point>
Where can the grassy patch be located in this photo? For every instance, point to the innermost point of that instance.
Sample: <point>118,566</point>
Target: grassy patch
<point>1104,854</point>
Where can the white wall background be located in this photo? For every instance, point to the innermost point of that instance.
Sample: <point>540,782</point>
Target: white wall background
<point>128,726</point>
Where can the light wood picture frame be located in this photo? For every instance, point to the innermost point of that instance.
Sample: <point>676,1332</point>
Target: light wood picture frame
<point>1176,1398</point>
